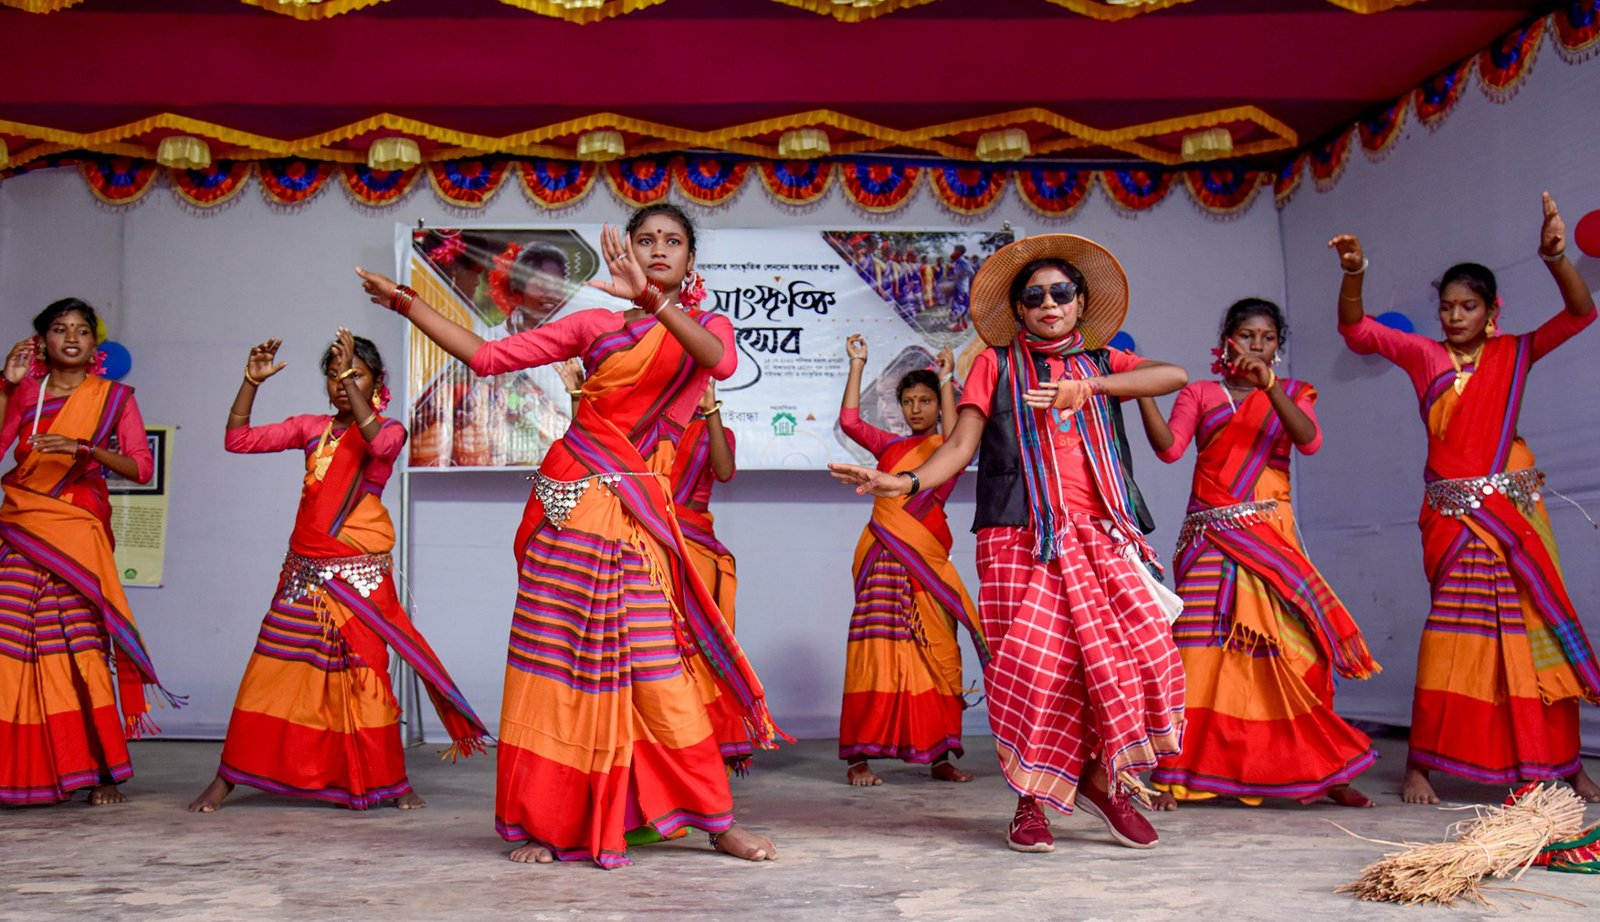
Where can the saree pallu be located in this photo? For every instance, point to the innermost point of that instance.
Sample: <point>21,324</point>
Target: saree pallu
<point>316,715</point>
<point>1082,665</point>
<point>1261,634</point>
<point>1504,660</point>
<point>604,727</point>
<point>902,686</point>
<point>64,619</point>
<point>714,563</point>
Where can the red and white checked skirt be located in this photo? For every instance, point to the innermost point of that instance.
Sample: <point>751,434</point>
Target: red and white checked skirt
<point>1083,661</point>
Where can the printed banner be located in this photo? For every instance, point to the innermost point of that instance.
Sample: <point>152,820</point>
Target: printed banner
<point>139,515</point>
<point>792,294</point>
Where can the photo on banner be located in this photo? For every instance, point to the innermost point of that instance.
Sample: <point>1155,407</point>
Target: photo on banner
<point>793,295</point>
<point>139,514</point>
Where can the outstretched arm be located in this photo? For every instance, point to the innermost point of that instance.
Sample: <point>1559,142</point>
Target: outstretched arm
<point>947,391</point>
<point>451,336</point>
<point>629,283</point>
<point>947,461</point>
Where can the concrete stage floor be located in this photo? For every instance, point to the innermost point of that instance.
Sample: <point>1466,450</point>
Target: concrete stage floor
<point>912,848</point>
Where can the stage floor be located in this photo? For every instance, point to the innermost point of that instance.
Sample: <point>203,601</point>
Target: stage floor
<point>913,848</point>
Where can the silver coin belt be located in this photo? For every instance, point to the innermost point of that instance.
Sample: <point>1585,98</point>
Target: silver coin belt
<point>303,577</point>
<point>1223,518</point>
<point>1461,497</point>
<point>560,497</point>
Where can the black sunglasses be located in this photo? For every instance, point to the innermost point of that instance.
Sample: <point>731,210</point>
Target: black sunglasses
<point>1062,293</point>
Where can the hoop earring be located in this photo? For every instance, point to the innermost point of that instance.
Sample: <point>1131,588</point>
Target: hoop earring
<point>1277,358</point>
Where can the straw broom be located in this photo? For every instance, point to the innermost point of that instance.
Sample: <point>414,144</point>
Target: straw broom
<point>1501,842</point>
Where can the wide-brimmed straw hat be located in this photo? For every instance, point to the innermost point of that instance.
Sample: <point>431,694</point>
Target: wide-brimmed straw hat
<point>1103,310</point>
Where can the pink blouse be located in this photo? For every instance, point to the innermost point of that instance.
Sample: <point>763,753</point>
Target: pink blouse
<point>1200,398</point>
<point>304,431</point>
<point>878,440</point>
<point>19,416</point>
<point>573,334</point>
<point>1424,359</point>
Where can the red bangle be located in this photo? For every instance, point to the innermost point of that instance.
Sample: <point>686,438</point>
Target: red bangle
<point>6,387</point>
<point>400,300</point>
<point>651,299</point>
<point>85,450</point>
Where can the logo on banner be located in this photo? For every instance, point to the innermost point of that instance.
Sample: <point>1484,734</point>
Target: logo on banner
<point>783,424</point>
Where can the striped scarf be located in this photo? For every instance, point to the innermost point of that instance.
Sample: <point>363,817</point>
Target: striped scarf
<point>1046,502</point>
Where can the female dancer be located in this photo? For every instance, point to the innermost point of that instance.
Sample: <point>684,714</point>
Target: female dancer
<point>1261,632</point>
<point>1085,686</point>
<point>604,727</point>
<point>63,614</point>
<point>316,716</point>
<point>1504,660</point>
<point>902,674</point>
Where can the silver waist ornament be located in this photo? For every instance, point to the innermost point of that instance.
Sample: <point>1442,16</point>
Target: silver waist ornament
<point>1223,518</point>
<point>560,497</point>
<point>303,577</point>
<point>1460,497</point>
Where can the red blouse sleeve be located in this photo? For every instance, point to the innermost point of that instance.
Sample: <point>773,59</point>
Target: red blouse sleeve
<point>1185,418</point>
<point>722,328</point>
<point>978,390</point>
<point>864,433</point>
<point>131,441</point>
<point>1368,337</point>
<point>1307,402</point>
<point>391,439</point>
<point>13,418</point>
<point>1557,330</point>
<point>552,342</point>
<point>252,440</point>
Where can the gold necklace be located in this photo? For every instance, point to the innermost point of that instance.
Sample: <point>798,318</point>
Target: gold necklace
<point>1457,360</point>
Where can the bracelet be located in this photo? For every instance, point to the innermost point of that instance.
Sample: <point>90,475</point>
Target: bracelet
<point>856,358</point>
<point>253,381</point>
<point>243,416</point>
<point>574,391</point>
<point>916,483</point>
<point>1556,257</point>
<point>946,378</point>
<point>715,408</point>
<point>6,387</point>
<point>84,450</point>
<point>363,422</point>
<point>347,373</point>
<point>1359,271</point>
<point>650,300</point>
<point>399,306</point>
<point>1272,378</point>
<point>1096,384</point>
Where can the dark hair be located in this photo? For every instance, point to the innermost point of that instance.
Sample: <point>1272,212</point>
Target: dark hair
<point>365,351</point>
<point>1245,308</point>
<point>914,377</point>
<point>41,323</point>
<point>528,259</point>
<point>670,210</point>
<point>1020,280</point>
<point>1476,277</point>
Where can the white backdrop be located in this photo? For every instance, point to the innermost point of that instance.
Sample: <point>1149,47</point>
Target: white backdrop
<point>189,293</point>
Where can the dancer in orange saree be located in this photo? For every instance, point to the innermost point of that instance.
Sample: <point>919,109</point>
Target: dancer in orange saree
<point>705,457</point>
<point>1504,660</point>
<point>63,616</point>
<point>1261,633</point>
<point>604,728</point>
<point>316,715</point>
<point>902,676</point>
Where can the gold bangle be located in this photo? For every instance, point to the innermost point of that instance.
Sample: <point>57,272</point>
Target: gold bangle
<point>347,373</point>
<point>243,416</point>
<point>253,381</point>
<point>575,391</point>
<point>1271,379</point>
<point>715,408</point>
<point>363,422</point>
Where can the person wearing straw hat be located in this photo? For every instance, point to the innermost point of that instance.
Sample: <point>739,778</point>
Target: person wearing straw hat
<point>1085,685</point>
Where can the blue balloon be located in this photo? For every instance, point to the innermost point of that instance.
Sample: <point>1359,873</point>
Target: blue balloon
<point>118,360</point>
<point>1395,320</point>
<point>1123,341</point>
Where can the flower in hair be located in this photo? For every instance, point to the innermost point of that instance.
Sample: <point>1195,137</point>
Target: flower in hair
<point>500,279</point>
<point>447,252</point>
<point>1218,366</point>
<point>98,367</point>
<point>693,290</point>
<point>382,402</point>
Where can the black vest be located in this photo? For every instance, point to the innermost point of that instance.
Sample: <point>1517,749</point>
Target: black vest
<point>1002,493</point>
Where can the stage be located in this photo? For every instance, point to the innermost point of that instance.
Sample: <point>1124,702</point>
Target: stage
<point>913,848</point>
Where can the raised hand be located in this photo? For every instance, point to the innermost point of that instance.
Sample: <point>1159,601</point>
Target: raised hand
<point>627,276</point>
<point>946,362</point>
<point>260,363</point>
<point>343,352</point>
<point>869,480</point>
<point>855,346</point>
<point>377,286</point>
<point>1348,246</point>
<point>19,360</point>
<point>1553,233</point>
<point>708,398</point>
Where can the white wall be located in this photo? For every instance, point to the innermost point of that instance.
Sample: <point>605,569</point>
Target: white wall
<point>189,293</point>
<point>1467,191</point>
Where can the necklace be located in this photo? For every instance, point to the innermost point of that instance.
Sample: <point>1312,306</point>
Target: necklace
<point>326,446</point>
<point>1458,360</point>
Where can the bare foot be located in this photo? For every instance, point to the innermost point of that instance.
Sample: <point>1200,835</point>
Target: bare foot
<point>741,843</point>
<point>1164,802</point>
<point>532,854</point>
<point>210,800</point>
<point>104,794</point>
<point>411,801</point>
<point>860,775</point>
<point>947,771</point>
<point>1584,785</point>
<point>1416,789</point>
<point>1346,796</point>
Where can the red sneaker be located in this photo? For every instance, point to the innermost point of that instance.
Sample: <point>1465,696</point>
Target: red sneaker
<point>1122,819</point>
<point>1030,830</point>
